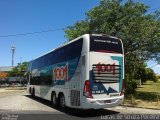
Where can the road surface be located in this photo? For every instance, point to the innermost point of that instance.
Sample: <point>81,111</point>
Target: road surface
<point>22,106</point>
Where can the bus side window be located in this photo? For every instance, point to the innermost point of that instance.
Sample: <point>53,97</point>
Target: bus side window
<point>37,80</point>
<point>53,57</point>
<point>45,60</point>
<point>76,48</point>
<point>67,52</point>
<point>61,54</point>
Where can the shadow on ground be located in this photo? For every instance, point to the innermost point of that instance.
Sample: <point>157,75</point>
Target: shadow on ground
<point>75,112</point>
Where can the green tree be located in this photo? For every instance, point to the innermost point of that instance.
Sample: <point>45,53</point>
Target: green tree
<point>139,31</point>
<point>151,75</point>
<point>146,74</point>
<point>19,70</point>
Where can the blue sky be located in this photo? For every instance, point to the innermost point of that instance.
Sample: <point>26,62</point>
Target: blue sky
<point>25,16</point>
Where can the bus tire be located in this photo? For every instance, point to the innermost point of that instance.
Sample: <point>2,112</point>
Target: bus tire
<point>33,92</point>
<point>62,101</point>
<point>54,99</point>
<point>30,90</point>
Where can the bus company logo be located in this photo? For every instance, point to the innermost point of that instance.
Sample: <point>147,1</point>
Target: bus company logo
<point>105,68</point>
<point>61,73</point>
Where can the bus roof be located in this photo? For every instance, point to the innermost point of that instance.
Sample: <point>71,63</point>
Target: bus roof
<point>59,47</point>
<point>72,42</point>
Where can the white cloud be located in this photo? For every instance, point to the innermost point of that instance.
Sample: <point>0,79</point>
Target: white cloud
<point>158,66</point>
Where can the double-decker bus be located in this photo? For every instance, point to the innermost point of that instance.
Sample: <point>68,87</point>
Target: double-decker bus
<point>85,73</point>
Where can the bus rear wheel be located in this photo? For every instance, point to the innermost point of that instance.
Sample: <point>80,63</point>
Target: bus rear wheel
<point>62,101</point>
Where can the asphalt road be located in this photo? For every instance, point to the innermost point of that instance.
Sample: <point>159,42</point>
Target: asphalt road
<point>23,107</point>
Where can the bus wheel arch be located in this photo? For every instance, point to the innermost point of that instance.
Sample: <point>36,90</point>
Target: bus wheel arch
<point>54,99</point>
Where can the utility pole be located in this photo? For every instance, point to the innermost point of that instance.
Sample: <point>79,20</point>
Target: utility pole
<point>13,51</point>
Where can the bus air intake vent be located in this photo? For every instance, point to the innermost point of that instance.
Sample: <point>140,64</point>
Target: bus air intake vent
<point>106,73</point>
<point>75,98</point>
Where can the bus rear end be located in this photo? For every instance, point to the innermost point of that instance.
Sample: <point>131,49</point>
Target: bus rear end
<point>105,86</point>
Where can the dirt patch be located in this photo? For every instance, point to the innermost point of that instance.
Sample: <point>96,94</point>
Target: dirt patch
<point>142,103</point>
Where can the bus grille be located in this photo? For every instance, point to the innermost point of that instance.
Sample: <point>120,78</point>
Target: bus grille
<point>75,98</point>
<point>106,73</point>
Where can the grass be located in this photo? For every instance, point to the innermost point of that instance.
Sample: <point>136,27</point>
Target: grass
<point>150,86</point>
<point>147,96</point>
<point>149,91</point>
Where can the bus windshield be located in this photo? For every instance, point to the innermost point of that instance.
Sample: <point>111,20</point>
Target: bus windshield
<point>105,44</point>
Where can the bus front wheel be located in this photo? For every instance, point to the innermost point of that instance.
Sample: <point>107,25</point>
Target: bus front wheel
<point>33,92</point>
<point>54,99</point>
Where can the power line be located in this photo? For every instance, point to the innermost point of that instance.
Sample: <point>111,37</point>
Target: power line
<point>31,33</point>
<point>45,31</point>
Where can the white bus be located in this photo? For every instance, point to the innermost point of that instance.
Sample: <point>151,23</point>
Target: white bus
<point>85,73</point>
